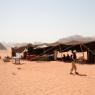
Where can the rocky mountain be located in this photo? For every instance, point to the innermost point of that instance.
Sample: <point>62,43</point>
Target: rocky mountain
<point>71,40</point>
<point>75,39</point>
<point>2,47</point>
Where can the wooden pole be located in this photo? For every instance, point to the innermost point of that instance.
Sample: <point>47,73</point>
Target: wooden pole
<point>61,52</point>
<point>82,51</point>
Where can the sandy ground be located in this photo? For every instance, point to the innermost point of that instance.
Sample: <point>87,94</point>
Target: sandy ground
<point>46,78</point>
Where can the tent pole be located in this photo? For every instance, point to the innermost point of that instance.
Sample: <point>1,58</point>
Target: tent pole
<point>82,51</point>
<point>60,51</point>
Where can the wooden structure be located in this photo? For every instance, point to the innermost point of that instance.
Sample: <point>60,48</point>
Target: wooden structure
<point>17,60</point>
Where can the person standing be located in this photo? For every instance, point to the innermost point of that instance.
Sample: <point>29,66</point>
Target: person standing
<point>73,68</point>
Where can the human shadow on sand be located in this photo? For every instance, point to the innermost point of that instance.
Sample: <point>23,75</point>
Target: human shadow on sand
<point>79,74</point>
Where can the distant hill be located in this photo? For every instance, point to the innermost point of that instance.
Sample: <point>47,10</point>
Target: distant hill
<point>2,47</point>
<point>76,39</point>
<point>71,40</point>
<point>15,44</point>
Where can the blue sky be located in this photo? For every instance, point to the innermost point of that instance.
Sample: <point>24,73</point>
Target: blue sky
<point>45,20</point>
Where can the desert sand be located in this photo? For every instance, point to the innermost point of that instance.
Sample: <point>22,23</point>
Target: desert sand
<point>46,78</point>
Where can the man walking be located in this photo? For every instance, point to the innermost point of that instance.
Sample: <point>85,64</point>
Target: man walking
<point>73,68</point>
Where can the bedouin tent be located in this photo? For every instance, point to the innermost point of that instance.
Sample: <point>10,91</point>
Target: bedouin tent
<point>89,47</point>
